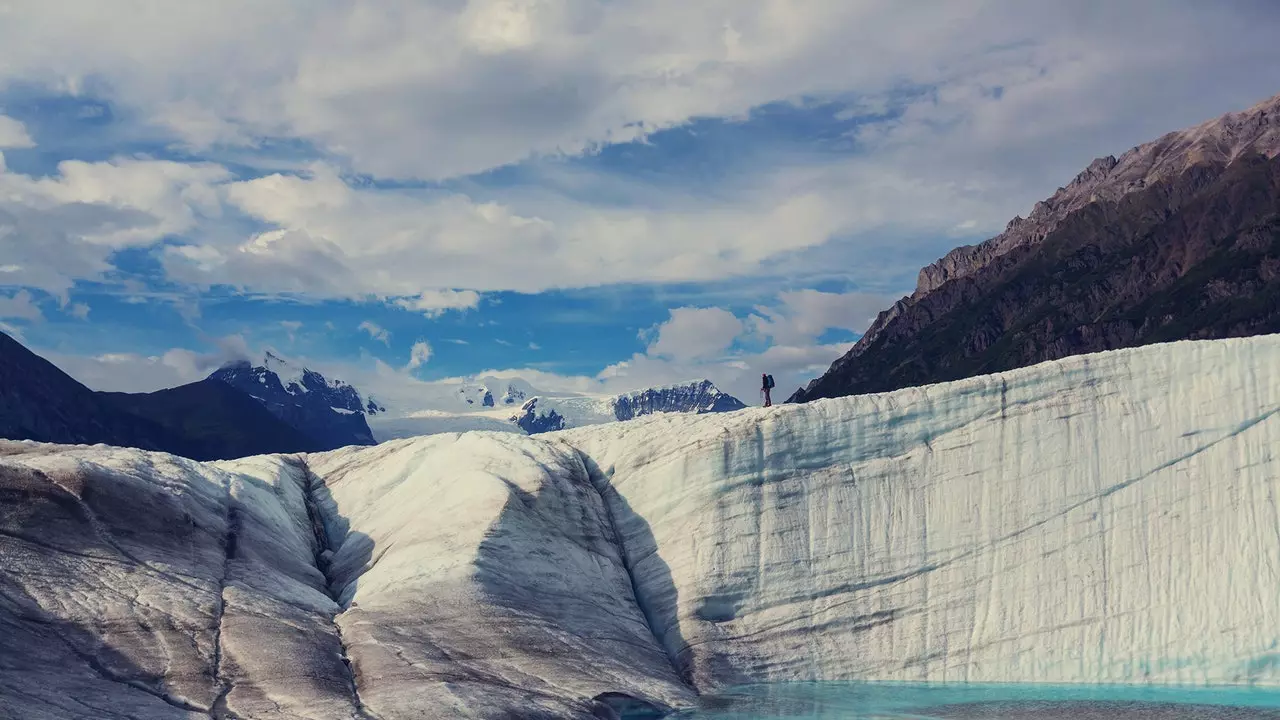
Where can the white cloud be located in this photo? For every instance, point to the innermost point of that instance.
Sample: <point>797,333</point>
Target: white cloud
<point>291,327</point>
<point>804,315</point>
<point>462,87</point>
<point>695,333</point>
<point>13,134</point>
<point>64,227</point>
<point>12,331</point>
<point>434,303</point>
<point>20,306</point>
<point>431,90</point>
<point>79,310</point>
<point>133,372</point>
<point>419,355</point>
<point>376,332</point>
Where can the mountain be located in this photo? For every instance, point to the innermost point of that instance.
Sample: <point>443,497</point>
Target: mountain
<point>40,402</point>
<point>513,405</point>
<point>539,415</point>
<point>202,421</point>
<point>332,414</point>
<point>1100,520</point>
<point>214,421</point>
<point>1176,239</point>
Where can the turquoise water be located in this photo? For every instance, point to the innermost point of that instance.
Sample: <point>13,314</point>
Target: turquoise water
<point>972,702</point>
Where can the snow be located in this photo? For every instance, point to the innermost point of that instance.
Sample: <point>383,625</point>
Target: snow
<point>291,374</point>
<point>1106,518</point>
<point>344,411</point>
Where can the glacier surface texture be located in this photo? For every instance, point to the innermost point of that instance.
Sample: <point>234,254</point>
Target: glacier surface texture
<point>1105,518</point>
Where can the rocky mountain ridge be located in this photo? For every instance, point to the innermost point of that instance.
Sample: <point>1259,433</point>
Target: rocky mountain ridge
<point>330,412</point>
<point>204,420</point>
<point>539,414</point>
<point>1179,226</point>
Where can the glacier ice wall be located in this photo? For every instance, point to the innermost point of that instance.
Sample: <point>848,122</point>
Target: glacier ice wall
<point>141,585</point>
<point>1106,518</point>
<point>483,578</point>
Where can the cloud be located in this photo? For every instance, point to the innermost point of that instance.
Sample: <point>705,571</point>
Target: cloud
<point>970,131</point>
<point>695,333</point>
<point>804,315</point>
<point>434,303</point>
<point>20,306</point>
<point>291,327</point>
<point>12,331</point>
<point>133,372</point>
<point>13,134</point>
<point>79,311</point>
<point>419,355</point>
<point>66,227</point>
<point>376,332</point>
<point>463,87</point>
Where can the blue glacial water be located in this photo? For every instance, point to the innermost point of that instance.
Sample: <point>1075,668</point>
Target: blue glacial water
<point>888,701</point>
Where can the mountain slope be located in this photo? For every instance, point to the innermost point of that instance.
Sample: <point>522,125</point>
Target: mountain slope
<point>214,421</point>
<point>1175,240</point>
<point>40,402</point>
<point>202,421</point>
<point>1102,519</point>
<point>332,414</point>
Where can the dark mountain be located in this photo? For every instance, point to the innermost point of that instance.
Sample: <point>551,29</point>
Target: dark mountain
<point>202,421</point>
<point>331,413</point>
<point>1178,239</point>
<point>40,402</point>
<point>214,421</point>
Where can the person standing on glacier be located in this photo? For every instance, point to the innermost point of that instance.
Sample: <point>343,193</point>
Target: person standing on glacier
<point>766,385</point>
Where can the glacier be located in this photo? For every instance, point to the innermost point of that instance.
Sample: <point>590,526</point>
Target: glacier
<point>1109,518</point>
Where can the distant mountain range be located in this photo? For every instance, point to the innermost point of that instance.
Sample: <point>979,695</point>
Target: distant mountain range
<point>240,410</point>
<point>1176,239</point>
<point>332,413</point>
<point>515,406</point>
<point>279,406</point>
<point>206,420</point>
<point>539,415</point>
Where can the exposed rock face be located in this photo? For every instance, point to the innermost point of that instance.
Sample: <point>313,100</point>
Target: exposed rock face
<point>1101,519</point>
<point>330,413</point>
<point>697,398</point>
<point>1172,240</point>
<point>533,421</point>
<point>1216,142</point>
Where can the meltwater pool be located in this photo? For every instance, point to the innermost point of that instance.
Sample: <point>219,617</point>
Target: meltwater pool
<point>974,702</point>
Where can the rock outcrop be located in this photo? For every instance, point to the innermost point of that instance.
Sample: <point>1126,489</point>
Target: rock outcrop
<point>1172,240</point>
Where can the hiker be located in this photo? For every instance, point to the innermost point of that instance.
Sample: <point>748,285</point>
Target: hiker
<point>766,384</point>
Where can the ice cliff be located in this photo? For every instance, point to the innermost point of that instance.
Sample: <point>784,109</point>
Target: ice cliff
<point>1106,518</point>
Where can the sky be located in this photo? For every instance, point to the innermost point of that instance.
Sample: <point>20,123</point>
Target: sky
<point>593,195</point>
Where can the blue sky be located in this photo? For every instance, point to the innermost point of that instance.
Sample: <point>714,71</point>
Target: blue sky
<point>595,196</point>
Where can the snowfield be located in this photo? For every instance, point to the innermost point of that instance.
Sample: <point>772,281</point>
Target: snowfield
<point>1106,518</point>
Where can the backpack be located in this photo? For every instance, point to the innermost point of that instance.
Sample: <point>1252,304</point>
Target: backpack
<point>768,382</point>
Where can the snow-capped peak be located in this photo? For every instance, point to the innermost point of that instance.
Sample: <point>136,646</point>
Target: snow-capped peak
<point>290,374</point>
